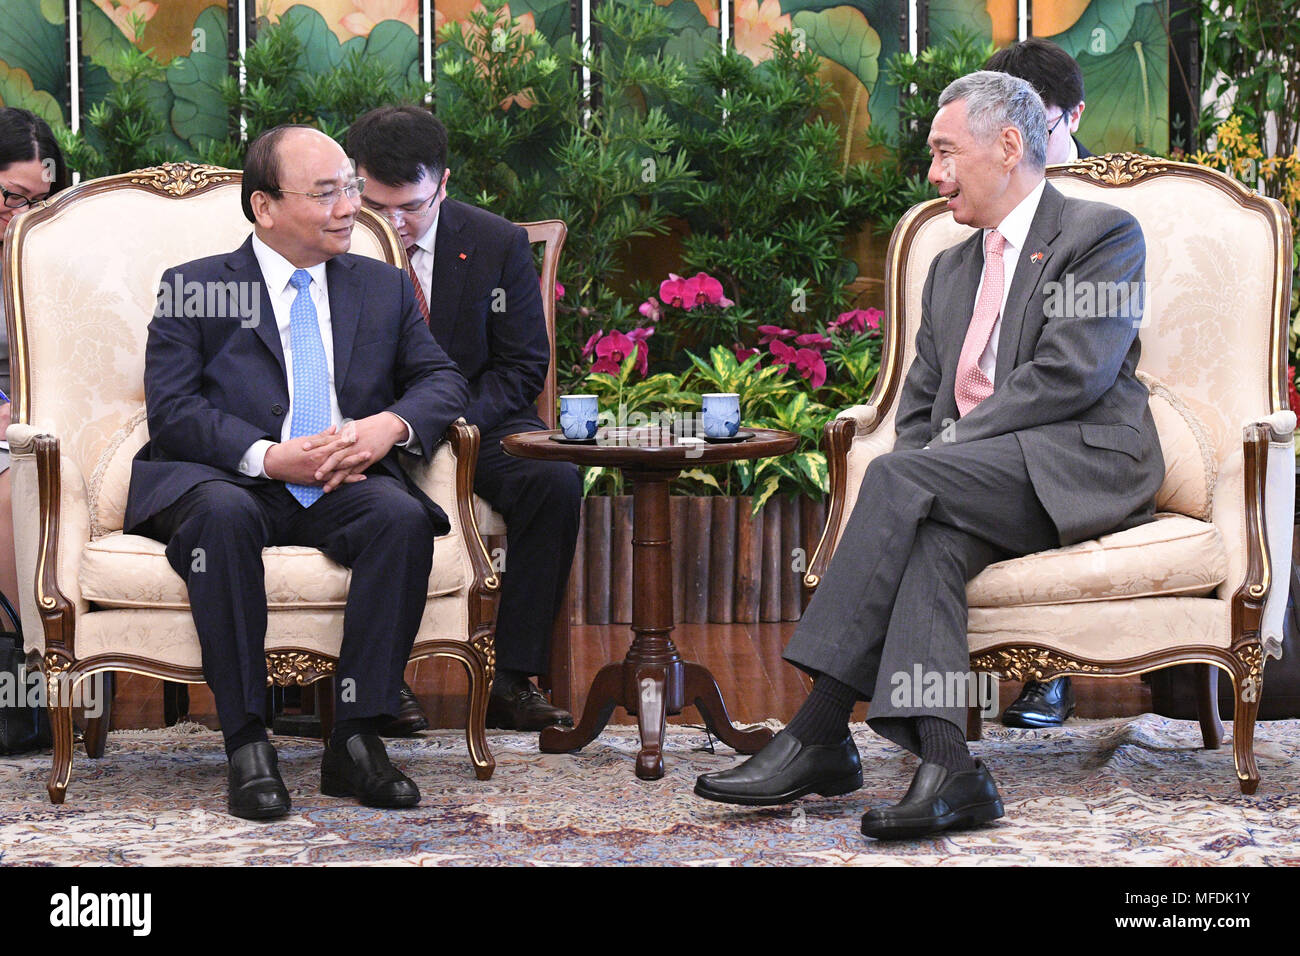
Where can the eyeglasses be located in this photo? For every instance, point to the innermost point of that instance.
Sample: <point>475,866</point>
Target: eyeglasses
<point>18,201</point>
<point>408,210</point>
<point>1051,129</point>
<point>351,190</point>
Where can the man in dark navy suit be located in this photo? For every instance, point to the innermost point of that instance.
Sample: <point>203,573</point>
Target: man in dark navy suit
<point>284,427</point>
<point>484,306</point>
<point>1057,79</point>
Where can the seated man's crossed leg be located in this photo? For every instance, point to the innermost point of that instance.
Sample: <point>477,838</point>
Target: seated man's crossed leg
<point>894,597</point>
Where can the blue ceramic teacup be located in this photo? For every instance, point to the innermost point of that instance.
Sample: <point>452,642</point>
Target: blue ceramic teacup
<point>578,416</point>
<point>721,414</point>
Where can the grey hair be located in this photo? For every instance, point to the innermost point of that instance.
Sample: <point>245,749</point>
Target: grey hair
<point>995,101</point>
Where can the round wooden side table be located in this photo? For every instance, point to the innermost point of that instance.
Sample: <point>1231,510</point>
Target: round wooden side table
<point>652,681</point>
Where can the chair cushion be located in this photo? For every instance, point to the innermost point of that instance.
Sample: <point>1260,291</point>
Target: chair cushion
<point>1191,468</point>
<point>128,570</point>
<point>1172,555</point>
<point>111,477</point>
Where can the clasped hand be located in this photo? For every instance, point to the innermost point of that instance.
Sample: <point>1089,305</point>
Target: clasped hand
<point>336,455</point>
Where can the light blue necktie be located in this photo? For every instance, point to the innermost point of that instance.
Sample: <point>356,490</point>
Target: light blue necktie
<point>311,376</point>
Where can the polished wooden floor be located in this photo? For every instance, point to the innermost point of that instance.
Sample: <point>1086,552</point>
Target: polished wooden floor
<point>745,658</point>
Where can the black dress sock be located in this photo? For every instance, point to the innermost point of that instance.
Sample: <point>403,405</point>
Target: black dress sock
<point>344,729</point>
<point>944,744</point>
<point>824,716</point>
<point>250,733</point>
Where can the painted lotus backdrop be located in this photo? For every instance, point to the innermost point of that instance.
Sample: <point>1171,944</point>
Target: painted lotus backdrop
<point>1121,45</point>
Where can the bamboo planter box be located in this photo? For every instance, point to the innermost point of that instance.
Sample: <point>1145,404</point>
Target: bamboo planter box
<point>728,566</point>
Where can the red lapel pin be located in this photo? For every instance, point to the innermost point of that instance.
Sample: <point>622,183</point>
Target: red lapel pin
<point>1037,256</point>
<point>463,256</point>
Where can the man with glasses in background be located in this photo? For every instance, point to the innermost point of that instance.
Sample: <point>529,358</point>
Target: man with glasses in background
<point>481,298</point>
<point>285,427</point>
<point>1057,79</point>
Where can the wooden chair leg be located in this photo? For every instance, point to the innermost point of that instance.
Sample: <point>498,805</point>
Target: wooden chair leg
<point>59,705</point>
<point>974,724</point>
<point>1207,704</point>
<point>97,727</point>
<point>1243,729</point>
<point>480,673</point>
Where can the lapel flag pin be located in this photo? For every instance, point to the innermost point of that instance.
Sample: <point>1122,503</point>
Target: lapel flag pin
<point>463,256</point>
<point>1036,257</point>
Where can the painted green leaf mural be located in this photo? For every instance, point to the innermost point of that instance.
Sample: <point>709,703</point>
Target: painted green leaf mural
<point>394,44</point>
<point>16,89</point>
<point>882,17</point>
<point>1127,90</point>
<point>949,16</point>
<point>1101,28</point>
<point>551,17</point>
<point>32,43</point>
<point>843,34</point>
<point>691,44</point>
<point>321,50</point>
<point>199,112</point>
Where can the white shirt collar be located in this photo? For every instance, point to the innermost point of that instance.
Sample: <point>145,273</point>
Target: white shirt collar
<point>1015,226</point>
<point>426,241</point>
<point>277,270</point>
<point>1074,151</point>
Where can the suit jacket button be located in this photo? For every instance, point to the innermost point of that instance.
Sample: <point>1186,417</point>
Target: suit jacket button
<point>277,409</point>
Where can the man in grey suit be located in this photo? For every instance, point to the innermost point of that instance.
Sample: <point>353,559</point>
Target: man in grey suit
<point>1021,427</point>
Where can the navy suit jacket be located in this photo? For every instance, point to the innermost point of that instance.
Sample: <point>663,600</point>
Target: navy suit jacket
<point>486,311</point>
<point>213,386</point>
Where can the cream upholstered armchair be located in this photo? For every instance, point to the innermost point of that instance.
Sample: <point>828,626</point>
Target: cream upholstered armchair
<point>1206,582</point>
<point>82,275</point>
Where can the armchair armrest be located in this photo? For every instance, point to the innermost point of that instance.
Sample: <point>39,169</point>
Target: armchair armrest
<point>449,481</point>
<point>1276,488</point>
<point>850,441</point>
<point>51,527</point>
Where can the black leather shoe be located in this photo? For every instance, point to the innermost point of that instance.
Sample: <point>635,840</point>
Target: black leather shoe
<point>1041,704</point>
<point>361,769</point>
<point>524,707</point>
<point>256,790</point>
<point>937,800</point>
<point>410,718</point>
<point>786,770</point>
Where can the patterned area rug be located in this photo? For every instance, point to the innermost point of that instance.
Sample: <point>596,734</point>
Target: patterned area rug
<point>1113,792</point>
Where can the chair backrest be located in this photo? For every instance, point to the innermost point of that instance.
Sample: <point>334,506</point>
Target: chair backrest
<point>551,232</point>
<point>82,278</point>
<point>1218,275</point>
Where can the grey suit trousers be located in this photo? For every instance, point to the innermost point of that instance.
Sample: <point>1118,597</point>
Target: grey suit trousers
<point>894,595</point>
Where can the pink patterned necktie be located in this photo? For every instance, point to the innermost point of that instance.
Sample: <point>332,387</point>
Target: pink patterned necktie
<point>973,386</point>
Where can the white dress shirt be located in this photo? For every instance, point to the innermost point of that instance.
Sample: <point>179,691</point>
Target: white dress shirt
<point>276,272</point>
<point>1015,230</point>
<point>422,257</point>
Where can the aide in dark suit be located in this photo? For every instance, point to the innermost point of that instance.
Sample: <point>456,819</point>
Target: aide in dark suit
<point>1021,427</point>
<point>1058,80</point>
<point>485,308</point>
<point>283,427</point>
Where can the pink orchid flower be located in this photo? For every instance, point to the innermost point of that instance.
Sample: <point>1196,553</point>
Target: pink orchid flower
<point>591,344</point>
<point>814,340</point>
<point>810,364</point>
<point>771,333</point>
<point>743,354</point>
<point>613,349</point>
<point>700,289</point>
<point>650,309</point>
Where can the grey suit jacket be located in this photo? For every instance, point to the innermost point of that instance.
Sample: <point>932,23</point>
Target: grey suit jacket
<point>1065,382</point>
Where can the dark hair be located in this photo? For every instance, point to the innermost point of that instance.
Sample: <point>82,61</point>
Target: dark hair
<point>262,166</point>
<point>25,136</point>
<point>399,144</point>
<point>1049,69</point>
